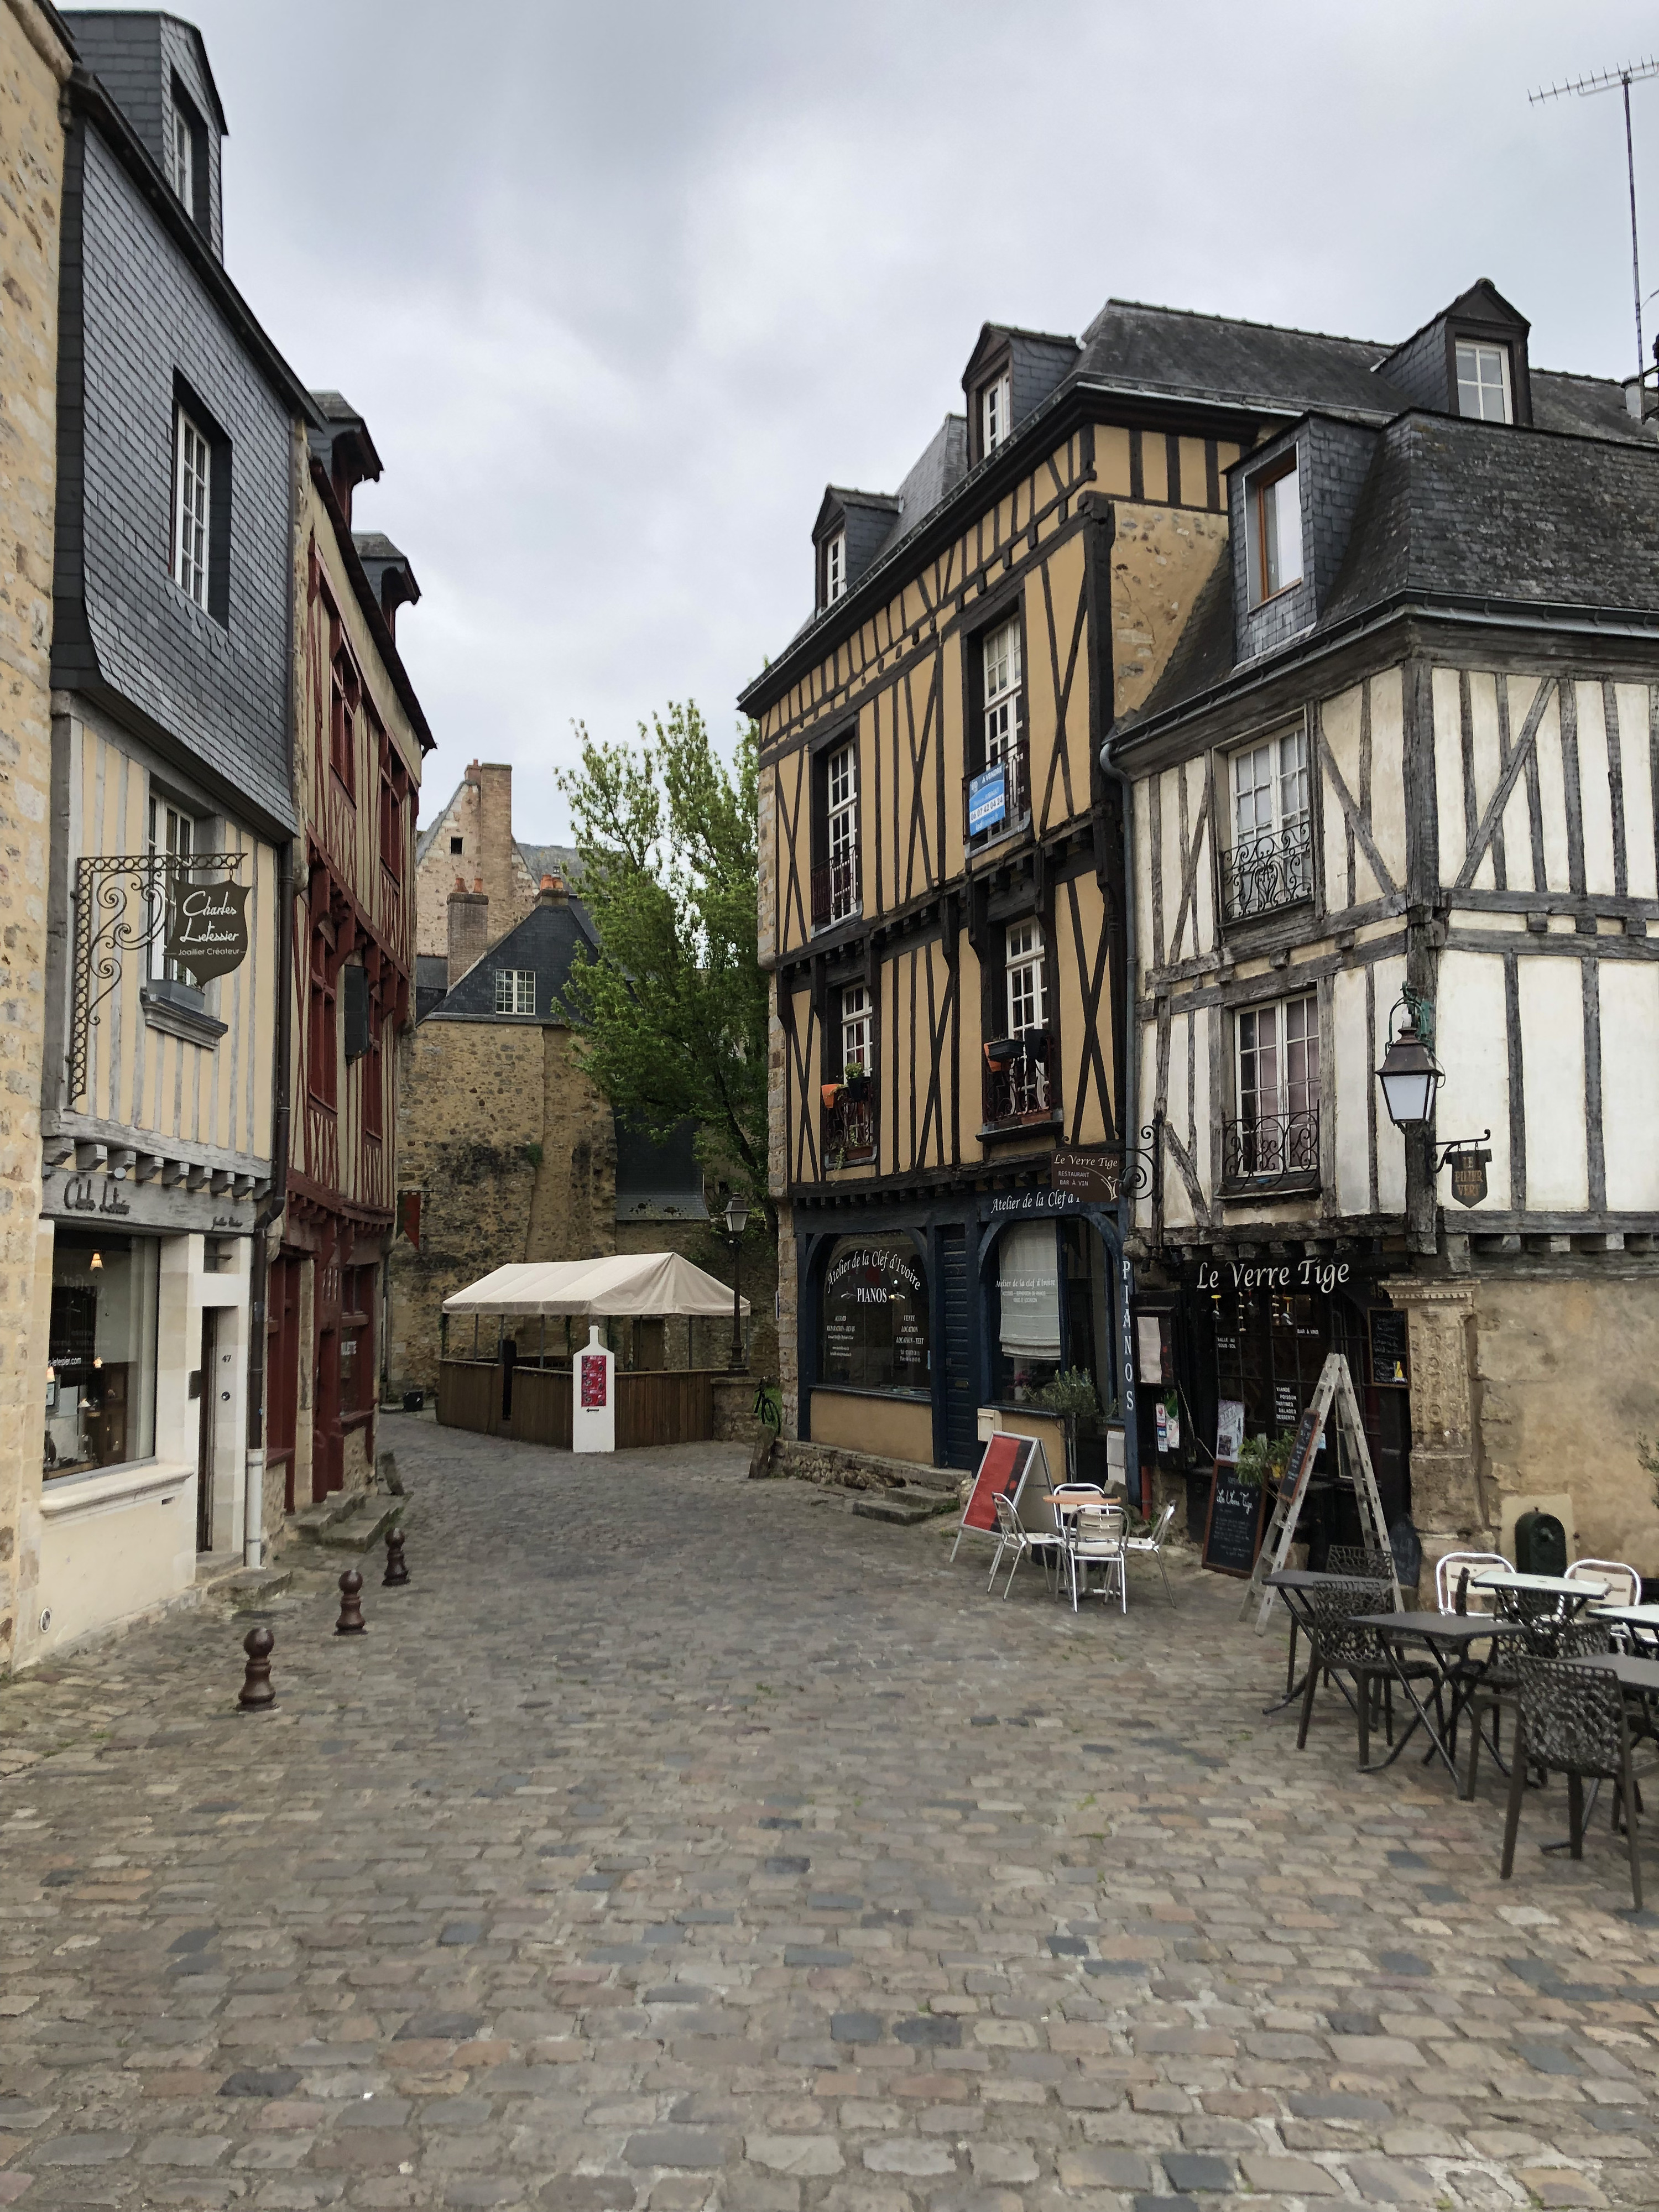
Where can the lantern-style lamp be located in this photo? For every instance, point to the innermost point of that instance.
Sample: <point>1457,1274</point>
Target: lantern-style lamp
<point>737,1220</point>
<point>1410,1075</point>
<point>737,1214</point>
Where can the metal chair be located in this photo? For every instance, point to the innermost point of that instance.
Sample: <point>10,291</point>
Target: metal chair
<point>1624,1583</point>
<point>1098,1539</point>
<point>1499,1685</point>
<point>1152,1544</point>
<point>1340,1647</point>
<point>1012,1535</point>
<point>1571,1721</point>
<point>1449,1569</point>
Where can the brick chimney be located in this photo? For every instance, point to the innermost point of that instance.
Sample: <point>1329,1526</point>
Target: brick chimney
<point>553,892</point>
<point>494,846</point>
<point>468,927</point>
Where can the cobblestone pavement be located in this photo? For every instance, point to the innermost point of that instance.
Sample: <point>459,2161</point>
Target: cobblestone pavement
<point>678,1841</point>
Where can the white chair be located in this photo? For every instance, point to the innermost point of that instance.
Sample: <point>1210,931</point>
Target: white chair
<point>1449,1569</point>
<point>1012,1535</point>
<point>1097,1541</point>
<point>1152,1544</point>
<point>1624,1583</point>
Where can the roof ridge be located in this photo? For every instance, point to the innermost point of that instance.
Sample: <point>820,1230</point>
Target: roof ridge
<point>1245,323</point>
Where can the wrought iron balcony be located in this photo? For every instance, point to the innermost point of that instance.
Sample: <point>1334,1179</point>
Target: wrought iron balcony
<point>1018,1087</point>
<point>835,888</point>
<point>1016,765</point>
<point>849,1129</point>
<point>1262,874</point>
<point>1270,1148</point>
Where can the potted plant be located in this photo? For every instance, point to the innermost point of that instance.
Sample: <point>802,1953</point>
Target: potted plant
<point>1000,1050</point>
<point>1034,1043</point>
<point>857,1083</point>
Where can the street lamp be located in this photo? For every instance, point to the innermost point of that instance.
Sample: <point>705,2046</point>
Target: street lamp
<point>1410,1075</point>
<point>737,1220</point>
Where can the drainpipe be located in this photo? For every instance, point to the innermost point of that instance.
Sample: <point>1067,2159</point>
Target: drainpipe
<point>1131,1115</point>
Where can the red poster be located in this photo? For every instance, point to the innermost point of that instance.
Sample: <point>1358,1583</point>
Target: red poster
<point>409,1216</point>
<point>1002,1469</point>
<point>592,1364</point>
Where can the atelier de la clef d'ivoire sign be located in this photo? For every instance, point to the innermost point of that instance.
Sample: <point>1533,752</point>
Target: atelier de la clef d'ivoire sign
<point>207,928</point>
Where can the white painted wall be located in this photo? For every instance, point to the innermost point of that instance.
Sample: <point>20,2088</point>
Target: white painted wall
<point>1552,1083</point>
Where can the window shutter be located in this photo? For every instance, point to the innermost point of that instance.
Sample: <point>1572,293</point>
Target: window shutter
<point>355,979</point>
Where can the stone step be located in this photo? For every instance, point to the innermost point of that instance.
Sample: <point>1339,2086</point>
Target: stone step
<point>362,1525</point>
<point>904,1509</point>
<point>236,1585</point>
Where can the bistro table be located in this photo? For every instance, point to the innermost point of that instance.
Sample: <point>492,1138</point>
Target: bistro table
<point>1450,1639</point>
<point>1293,1585</point>
<point>1643,1621</point>
<point>1579,1590</point>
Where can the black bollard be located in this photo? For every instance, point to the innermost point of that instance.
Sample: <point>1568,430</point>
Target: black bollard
<point>396,1568</point>
<point>257,1695</point>
<point>351,1621</point>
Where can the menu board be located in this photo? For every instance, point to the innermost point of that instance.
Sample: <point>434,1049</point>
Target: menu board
<point>1391,1357</point>
<point>1232,1528</point>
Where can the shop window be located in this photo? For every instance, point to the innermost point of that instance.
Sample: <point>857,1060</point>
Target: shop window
<point>874,1332</point>
<point>1276,1132</point>
<point>100,1372</point>
<point>1270,864</point>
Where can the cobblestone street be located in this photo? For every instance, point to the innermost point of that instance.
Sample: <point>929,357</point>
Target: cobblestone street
<point>678,1841</point>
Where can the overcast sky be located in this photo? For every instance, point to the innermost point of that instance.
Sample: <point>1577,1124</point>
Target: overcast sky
<point>620,286</point>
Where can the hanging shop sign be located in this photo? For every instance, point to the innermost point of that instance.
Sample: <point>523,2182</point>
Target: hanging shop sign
<point>1468,1176</point>
<point>207,928</point>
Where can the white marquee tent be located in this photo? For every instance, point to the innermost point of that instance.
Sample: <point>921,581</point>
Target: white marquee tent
<point>642,1285</point>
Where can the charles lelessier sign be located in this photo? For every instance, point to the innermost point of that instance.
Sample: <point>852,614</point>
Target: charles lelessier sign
<point>97,1201</point>
<point>207,928</point>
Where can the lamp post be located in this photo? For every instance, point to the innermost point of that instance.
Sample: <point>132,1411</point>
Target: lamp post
<point>1410,1077</point>
<point>737,1220</point>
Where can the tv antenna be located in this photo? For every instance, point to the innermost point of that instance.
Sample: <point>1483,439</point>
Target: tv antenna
<point>1631,73</point>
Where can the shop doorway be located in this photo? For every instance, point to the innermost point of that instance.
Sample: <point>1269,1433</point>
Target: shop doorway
<point>206,1425</point>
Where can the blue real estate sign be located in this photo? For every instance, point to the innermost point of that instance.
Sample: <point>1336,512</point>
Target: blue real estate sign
<point>988,799</point>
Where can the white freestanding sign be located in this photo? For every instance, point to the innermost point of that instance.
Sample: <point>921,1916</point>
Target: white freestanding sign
<point>594,1397</point>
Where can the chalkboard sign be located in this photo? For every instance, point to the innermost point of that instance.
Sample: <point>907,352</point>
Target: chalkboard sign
<point>1232,1528</point>
<point>1304,1449</point>
<point>1391,1365</point>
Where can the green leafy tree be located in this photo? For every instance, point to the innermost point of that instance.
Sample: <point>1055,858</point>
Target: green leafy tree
<point>673,1014</point>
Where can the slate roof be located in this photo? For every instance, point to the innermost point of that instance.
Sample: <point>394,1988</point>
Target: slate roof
<point>1461,511</point>
<point>551,860</point>
<point>549,940</point>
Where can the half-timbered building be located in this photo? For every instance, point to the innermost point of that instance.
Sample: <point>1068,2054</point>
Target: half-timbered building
<point>359,736</point>
<point>1403,768</point>
<point>942,872</point>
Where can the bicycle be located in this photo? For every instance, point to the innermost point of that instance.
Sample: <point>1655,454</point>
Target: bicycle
<point>768,1406</point>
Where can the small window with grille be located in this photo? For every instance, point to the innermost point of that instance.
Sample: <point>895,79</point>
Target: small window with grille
<point>515,990</point>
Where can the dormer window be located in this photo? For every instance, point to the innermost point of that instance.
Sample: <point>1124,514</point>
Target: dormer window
<point>1483,382</point>
<point>995,423</point>
<point>835,568</point>
<point>1273,538</point>
<point>181,168</point>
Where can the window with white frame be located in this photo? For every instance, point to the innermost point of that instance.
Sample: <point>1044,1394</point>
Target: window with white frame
<point>515,990</point>
<point>1278,1049</point>
<point>191,465</point>
<point>181,169</point>
<point>1027,999</point>
<point>1270,864</point>
<point>842,789</point>
<point>1274,535</point>
<point>855,1018</point>
<point>993,412</point>
<point>172,839</point>
<point>835,568</point>
<point>1483,382</point>
<point>1002,679</point>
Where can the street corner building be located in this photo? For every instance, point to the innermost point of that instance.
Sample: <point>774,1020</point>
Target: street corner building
<point>193,557</point>
<point>360,739</point>
<point>1400,770</point>
<point>1210,701</point>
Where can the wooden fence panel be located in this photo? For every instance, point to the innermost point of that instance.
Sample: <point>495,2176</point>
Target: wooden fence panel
<point>665,1407</point>
<point>541,1405</point>
<point>469,1396</point>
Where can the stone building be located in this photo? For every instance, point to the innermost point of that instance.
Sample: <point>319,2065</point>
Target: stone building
<point>36,57</point>
<point>506,1151</point>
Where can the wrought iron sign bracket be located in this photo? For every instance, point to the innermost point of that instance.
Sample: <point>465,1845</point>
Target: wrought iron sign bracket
<point>1469,1166</point>
<point>1469,1145</point>
<point>105,927</point>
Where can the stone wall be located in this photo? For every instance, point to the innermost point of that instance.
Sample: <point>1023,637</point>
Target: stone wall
<point>481,814</point>
<point>33,64</point>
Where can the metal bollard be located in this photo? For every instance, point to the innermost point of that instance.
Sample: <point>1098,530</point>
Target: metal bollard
<point>397,1568</point>
<point>257,1696</point>
<point>351,1621</point>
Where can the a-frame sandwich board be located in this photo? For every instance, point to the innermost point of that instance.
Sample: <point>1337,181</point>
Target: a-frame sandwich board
<point>1335,1389</point>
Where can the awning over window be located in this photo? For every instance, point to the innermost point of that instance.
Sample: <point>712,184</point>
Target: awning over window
<point>1028,1265</point>
<point>651,1284</point>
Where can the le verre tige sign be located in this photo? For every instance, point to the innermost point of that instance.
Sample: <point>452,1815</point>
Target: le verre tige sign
<point>207,928</point>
